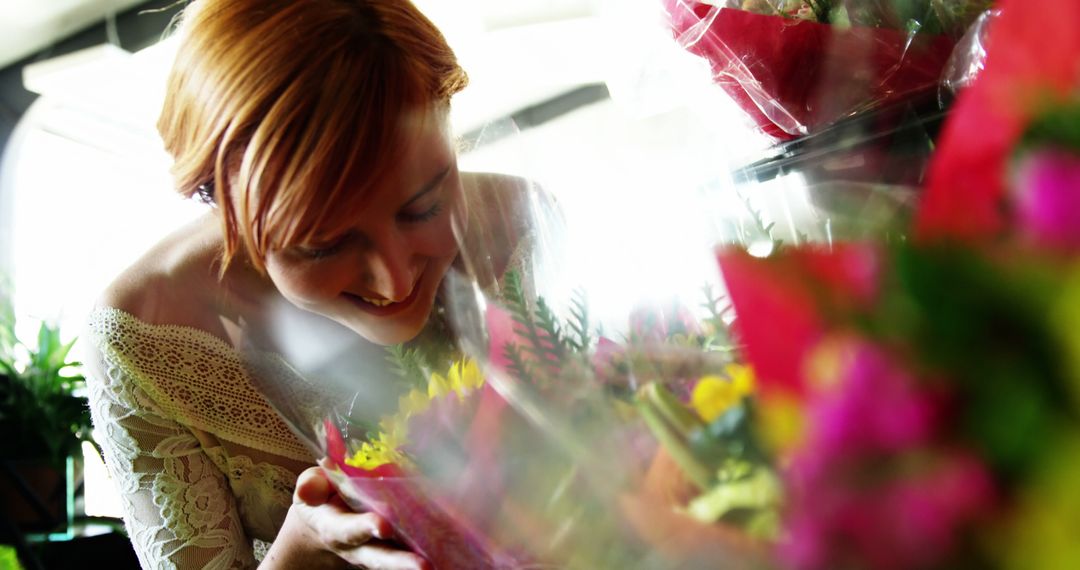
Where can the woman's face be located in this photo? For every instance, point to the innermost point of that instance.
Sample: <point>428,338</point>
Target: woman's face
<point>380,277</point>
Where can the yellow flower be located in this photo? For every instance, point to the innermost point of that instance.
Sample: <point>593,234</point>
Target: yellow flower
<point>781,422</point>
<point>437,386</point>
<point>714,395</point>
<point>373,454</point>
<point>462,377</point>
<point>742,377</point>
<point>1043,530</point>
<point>465,376</point>
<point>414,402</point>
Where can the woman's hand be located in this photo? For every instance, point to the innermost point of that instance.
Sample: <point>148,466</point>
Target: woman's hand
<point>321,531</point>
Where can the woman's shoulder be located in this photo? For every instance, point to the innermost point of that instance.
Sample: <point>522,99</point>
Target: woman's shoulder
<point>496,182</point>
<point>505,227</point>
<point>508,207</point>
<point>167,285</point>
<point>505,192</point>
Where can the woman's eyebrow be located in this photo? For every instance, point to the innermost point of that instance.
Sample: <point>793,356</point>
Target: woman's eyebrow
<point>431,185</point>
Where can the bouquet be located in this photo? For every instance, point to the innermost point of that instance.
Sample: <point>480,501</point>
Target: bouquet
<point>796,66</point>
<point>467,480</point>
<point>921,407</point>
<point>612,410</point>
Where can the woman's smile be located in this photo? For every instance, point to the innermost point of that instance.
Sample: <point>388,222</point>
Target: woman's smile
<point>384,307</point>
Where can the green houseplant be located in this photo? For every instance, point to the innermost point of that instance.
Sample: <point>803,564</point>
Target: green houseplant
<point>44,419</point>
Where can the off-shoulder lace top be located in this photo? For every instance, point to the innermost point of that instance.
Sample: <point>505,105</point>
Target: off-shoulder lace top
<point>205,467</point>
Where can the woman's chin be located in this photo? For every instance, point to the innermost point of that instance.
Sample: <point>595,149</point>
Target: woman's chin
<point>389,331</point>
<point>387,337</point>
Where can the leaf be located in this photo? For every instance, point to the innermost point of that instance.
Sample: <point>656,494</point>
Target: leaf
<point>578,324</point>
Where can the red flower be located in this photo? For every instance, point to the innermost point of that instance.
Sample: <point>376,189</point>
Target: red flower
<point>1031,61</point>
<point>792,76</point>
<point>782,305</point>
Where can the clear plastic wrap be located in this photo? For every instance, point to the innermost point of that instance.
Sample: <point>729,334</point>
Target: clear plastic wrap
<point>483,460</point>
<point>969,55</point>
<point>797,66</point>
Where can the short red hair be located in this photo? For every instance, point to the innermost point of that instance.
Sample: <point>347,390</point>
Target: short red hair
<point>290,108</point>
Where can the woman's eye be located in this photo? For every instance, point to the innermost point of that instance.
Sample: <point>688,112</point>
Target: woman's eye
<point>421,216</point>
<point>319,252</point>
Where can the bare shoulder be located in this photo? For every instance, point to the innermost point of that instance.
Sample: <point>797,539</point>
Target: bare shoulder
<point>509,199</point>
<point>504,210</point>
<point>499,187</point>
<point>166,284</point>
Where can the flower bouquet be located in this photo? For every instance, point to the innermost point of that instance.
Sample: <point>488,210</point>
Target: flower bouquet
<point>407,440</point>
<point>923,398</point>
<point>466,480</point>
<point>662,481</point>
<point>795,66</point>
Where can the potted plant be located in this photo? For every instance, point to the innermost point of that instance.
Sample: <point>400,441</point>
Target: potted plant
<point>44,419</point>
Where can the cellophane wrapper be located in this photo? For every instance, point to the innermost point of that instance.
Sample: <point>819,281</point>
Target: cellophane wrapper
<point>796,67</point>
<point>601,353</point>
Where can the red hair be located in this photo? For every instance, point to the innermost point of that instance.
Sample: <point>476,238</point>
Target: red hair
<point>291,108</point>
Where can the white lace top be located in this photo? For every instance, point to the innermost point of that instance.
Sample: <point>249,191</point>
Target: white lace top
<point>204,465</point>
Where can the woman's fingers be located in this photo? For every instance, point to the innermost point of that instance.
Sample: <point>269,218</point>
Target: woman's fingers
<point>385,556</point>
<point>313,487</point>
<point>343,530</point>
<point>361,539</point>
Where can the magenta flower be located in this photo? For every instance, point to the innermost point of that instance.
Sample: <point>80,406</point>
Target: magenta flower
<point>1046,189</point>
<point>876,484</point>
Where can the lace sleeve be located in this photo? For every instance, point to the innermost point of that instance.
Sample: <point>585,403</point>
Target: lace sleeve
<point>179,510</point>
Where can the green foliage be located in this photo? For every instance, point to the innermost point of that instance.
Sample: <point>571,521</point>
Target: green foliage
<point>41,413</point>
<point>986,332</point>
<point>578,324</point>
<point>823,9</point>
<point>9,559</point>
<point>409,364</point>
<point>550,347</point>
<point>433,350</point>
<point>1058,125</point>
<point>762,229</point>
<point>717,335</point>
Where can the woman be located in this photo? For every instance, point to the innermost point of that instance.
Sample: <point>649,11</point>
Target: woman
<point>318,131</point>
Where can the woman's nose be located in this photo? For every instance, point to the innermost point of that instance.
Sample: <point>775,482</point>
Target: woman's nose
<point>389,270</point>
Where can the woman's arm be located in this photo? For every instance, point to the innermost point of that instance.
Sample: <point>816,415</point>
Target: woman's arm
<point>178,508</point>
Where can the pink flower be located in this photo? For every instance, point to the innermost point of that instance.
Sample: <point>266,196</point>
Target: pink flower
<point>500,327</point>
<point>876,484</point>
<point>874,406</point>
<point>1047,198</point>
<point>606,357</point>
